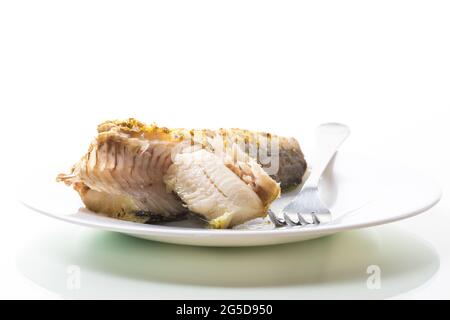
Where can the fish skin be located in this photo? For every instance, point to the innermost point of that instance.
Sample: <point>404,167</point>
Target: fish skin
<point>135,168</point>
<point>291,161</point>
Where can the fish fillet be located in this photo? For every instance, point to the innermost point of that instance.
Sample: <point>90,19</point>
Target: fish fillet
<point>225,192</point>
<point>122,172</point>
<point>280,157</point>
<point>143,173</point>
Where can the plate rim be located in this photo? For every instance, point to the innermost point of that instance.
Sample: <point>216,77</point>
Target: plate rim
<point>159,230</point>
<point>129,227</point>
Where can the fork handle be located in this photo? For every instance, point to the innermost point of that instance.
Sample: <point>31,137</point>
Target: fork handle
<point>329,137</point>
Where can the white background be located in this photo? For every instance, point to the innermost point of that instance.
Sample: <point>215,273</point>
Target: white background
<point>382,67</point>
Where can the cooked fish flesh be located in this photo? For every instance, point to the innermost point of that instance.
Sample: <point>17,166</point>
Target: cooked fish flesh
<point>122,173</point>
<point>146,173</point>
<point>224,191</point>
<point>280,157</point>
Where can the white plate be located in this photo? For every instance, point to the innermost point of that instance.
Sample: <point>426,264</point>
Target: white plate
<point>360,192</point>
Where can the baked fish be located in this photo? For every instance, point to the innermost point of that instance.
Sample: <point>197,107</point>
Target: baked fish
<point>145,173</point>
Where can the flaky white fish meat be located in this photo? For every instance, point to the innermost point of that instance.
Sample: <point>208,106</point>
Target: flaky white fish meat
<point>145,174</point>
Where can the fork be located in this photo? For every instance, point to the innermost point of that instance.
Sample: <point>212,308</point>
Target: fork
<point>307,205</point>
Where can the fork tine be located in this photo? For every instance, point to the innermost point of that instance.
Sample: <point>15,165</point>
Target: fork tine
<point>302,220</point>
<point>315,218</point>
<point>289,221</point>
<point>275,220</point>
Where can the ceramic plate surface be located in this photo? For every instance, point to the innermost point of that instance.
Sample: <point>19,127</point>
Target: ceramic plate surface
<point>359,190</point>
